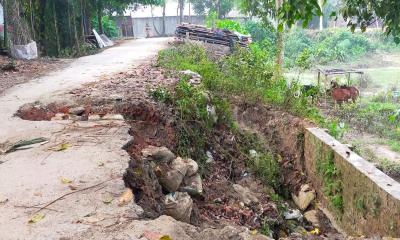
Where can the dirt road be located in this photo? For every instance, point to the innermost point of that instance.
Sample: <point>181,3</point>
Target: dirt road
<point>93,155</point>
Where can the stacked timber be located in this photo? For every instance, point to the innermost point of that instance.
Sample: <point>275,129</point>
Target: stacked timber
<point>213,36</point>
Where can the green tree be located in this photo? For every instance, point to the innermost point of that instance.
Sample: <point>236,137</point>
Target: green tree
<point>60,26</point>
<point>221,7</point>
<point>364,13</point>
<point>360,13</point>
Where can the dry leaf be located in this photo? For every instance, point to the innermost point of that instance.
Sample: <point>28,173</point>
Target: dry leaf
<point>108,200</point>
<point>37,218</point>
<point>64,147</point>
<point>165,237</point>
<point>100,164</point>
<point>253,232</point>
<point>73,188</point>
<point>316,231</point>
<point>65,180</point>
<point>126,197</point>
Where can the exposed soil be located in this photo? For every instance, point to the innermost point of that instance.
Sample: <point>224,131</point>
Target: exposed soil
<point>14,72</point>
<point>284,134</point>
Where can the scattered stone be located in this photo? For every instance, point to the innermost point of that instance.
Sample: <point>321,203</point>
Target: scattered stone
<point>293,214</point>
<point>179,206</point>
<point>94,117</point>
<point>59,117</point>
<point>113,117</point>
<point>305,197</point>
<point>245,195</point>
<point>231,232</point>
<point>158,154</point>
<point>76,118</point>
<point>126,197</point>
<point>172,179</point>
<point>312,217</point>
<point>210,158</point>
<point>117,98</point>
<point>192,167</point>
<point>195,78</point>
<point>164,225</point>
<point>253,153</point>
<point>78,111</point>
<point>212,113</point>
<point>193,184</point>
<point>3,200</point>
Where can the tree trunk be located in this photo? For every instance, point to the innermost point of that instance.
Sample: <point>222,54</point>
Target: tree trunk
<point>100,16</point>
<point>181,10</point>
<point>78,45</point>
<point>219,9</point>
<point>42,25</point>
<point>5,24</point>
<point>321,18</point>
<point>163,18</point>
<point>82,10</point>
<point>32,11</point>
<point>56,28</point>
<point>279,45</point>
<point>69,24</point>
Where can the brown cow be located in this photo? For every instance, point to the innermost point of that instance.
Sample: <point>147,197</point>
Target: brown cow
<point>342,94</point>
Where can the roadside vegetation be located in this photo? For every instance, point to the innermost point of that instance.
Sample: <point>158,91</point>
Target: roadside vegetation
<point>220,81</point>
<point>377,113</point>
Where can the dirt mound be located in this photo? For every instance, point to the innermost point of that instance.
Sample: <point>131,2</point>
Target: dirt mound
<point>284,134</point>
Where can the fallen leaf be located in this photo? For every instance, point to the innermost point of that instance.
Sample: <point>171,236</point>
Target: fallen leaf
<point>73,188</point>
<point>108,200</point>
<point>253,232</point>
<point>63,147</point>
<point>166,237</point>
<point>36,218</point>
<point>65,180</point>
<point>316,231</point>
<point>100,164</point>
<point>126,197</point>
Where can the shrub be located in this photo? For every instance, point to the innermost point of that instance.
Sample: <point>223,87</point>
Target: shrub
<point>109,26</point>
<point>231,25</point>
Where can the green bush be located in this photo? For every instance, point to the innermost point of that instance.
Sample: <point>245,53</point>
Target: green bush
<point>231,25</point>
<point>246,73</point>
<point>109,26</point>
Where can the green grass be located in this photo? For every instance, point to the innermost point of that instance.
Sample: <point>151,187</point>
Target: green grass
<point>384,78</point>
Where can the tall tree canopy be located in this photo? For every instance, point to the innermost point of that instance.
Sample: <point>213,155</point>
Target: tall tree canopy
<point>363,13</point>
<point>221,7</point>
<point>360,13</point>
<point>60,26</point>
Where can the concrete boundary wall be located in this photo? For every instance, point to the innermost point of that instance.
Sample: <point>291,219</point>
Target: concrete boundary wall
<point>364,200</point>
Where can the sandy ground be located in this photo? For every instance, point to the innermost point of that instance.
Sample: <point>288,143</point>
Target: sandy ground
<point>32,177</point>
<point>26,70</point>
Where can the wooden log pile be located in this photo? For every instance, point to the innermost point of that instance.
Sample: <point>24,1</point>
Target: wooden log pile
<point>213,36</point>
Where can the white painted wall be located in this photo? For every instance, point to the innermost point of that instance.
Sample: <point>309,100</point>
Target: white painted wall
<point>170,10</point>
